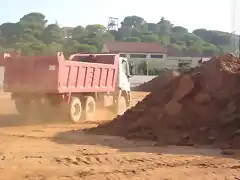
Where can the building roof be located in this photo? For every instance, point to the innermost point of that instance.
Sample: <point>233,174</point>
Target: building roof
<point>135,47</point>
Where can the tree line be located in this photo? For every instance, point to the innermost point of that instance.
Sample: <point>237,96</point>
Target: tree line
<point>32,35</point>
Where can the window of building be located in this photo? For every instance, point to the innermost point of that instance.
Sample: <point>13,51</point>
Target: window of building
<point>156,56</point>
<point>122,55</point>
<point>138,55</point>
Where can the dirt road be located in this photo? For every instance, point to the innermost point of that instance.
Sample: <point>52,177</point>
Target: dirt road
<point>64,152</point>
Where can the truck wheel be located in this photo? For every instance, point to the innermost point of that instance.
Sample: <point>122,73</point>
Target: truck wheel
<point>90,108</point>
<point>22,106</point>
<point>121,106</point>
<point>75,109</point>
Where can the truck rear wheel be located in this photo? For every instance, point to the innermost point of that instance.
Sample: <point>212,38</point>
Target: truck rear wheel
<point>90,108</point>
<point>121,106</point>
<point>75,109</point>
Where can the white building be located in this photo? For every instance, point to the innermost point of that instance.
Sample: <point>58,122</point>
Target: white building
<point>139,52</point>
<point>177,58</point>
<point>174,62</point>
<point>153,55</point>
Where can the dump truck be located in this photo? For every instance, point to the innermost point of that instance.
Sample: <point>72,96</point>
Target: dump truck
<point>77,86</point>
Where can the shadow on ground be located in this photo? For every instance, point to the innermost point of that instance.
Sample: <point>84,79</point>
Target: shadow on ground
<point>80,137</point>
<point>15,120</point>
<point>8,120</point>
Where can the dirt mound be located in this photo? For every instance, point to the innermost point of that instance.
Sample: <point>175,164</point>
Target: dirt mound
<point>200,107</point>
<point>158,82</point>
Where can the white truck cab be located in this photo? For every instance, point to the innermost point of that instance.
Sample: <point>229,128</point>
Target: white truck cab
<point>124,74</point>
<point>123,90</point>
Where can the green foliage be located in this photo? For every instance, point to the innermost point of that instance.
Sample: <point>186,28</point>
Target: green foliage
<point>79,32</point>
<point>132,39</point>
<point>165,27</point>
<point>180,30</point>
<point>33,36</point>
<point>96,28</point>
<point>85,48</point>
<point>52,33</point>
<point>150,38</point>
<point>34,24</point>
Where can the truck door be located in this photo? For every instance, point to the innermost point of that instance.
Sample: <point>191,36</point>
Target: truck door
<point>124,81</point>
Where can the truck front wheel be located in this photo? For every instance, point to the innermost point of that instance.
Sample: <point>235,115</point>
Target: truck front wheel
<point>22,106</point>
<point>121,106</point>
<point>75,109</point>
<point>90,108</point>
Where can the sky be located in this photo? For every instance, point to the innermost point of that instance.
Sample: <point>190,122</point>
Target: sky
<point>192,14</point>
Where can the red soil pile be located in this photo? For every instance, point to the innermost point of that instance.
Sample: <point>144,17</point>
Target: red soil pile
<point>199,107</point>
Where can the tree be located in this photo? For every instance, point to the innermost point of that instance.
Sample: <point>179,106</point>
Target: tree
<point>150,38</point>
<point>93,41</point>
<point>32,48</point>
<point>1,36</point>
<point>133,22</point>
<point>165,40</point>
<point>125,32</point>
<point>85,48</point>
<point>33,23</point>
<point>179,30</point>
<point>165,27</point>
<point>202,33</point>
<point>153,28</point>
<point>117,35</point>
<point>136,33</point>
<point>72,46</point>
<point>69,47</point>
<point>52,34</point>
<point>210,49</point>
<point>132,39</point>
<point>79,32</point>
<point>191,37</point>
<point>176,46</point>
<point>195,50</point>
<point>214,37</point>
<point>95,28</point>
<point>107,37</point>
<point>10,33</point>
<point>33,36</point>
<point>53,48</point>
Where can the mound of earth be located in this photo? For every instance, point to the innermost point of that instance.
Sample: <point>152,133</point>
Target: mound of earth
<point>199,107</point>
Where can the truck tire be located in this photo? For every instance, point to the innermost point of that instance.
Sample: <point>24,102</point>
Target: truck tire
<point>75,109</point>
<point>22,106</point>
<point>121,106</point>
<point>90,108</point>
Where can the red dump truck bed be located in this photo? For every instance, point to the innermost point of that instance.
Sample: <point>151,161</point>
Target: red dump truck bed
<point>54,74</point>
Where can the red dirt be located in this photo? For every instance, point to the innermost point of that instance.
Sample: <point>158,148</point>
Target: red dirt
<point>199,107</point>
<point>53,150</point>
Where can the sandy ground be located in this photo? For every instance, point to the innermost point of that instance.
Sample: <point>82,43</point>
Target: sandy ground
<point>58,151</point>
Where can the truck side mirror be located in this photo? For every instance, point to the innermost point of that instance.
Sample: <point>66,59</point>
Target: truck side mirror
<point>129,76</point>
<point>131,69</point>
